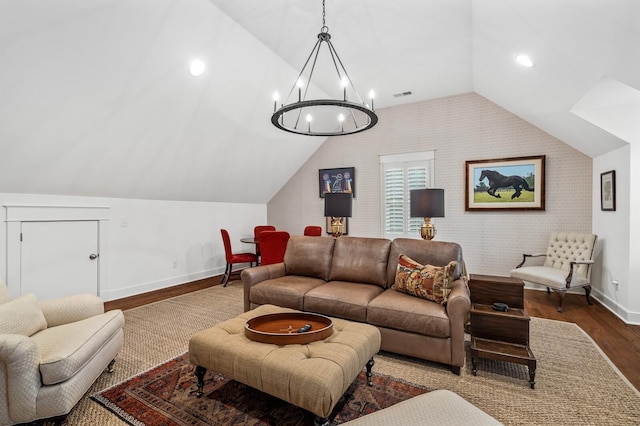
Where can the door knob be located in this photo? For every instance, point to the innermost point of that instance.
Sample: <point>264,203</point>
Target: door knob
<point>93,256</point>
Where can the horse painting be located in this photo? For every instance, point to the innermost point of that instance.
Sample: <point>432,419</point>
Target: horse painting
<point>497,180</point>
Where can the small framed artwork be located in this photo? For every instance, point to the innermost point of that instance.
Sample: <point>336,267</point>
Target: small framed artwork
<point>505,184</point>
<point>337,180</point>
<point>345,225</point>
<point>608,191</point>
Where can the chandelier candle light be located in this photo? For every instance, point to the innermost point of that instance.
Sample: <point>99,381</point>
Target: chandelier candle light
<point>312,113</point>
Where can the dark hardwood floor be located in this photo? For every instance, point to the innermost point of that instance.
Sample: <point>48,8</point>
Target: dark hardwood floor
<point>621,342</point>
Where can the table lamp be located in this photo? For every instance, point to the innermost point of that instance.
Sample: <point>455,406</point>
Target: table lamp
<point>427,203</point>
<point>337,206</point>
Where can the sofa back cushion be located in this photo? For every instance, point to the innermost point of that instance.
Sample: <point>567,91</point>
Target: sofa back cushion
<point>360,260</point>
<point>309,256</point>
<point>22,316</point>
<point>436,253</point>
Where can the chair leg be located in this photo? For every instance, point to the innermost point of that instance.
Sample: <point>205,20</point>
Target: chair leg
<point>227,274</point>
<point>560,295</point>
<point>587,292</point>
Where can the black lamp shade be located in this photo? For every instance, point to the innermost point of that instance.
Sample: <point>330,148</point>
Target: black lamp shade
<point>427,203</point>
<point>337,204</point>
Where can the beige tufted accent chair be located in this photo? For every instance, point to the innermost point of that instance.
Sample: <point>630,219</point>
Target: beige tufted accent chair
<point>567,265</point>
<point>51,352</point>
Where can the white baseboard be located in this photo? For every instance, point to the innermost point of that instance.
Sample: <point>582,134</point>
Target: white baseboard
<point>625,315</point>
<point>109,295</point>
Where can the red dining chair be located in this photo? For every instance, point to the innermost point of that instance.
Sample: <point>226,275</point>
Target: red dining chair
<point>256,235</point>
<point>274,245</point>
<point>233,258</point>
<point>313,231</point>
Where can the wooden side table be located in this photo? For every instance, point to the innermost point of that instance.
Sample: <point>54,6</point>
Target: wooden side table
<point>500,335</point>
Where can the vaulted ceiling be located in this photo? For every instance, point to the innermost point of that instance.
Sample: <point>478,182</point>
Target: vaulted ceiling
<point>96,98</point>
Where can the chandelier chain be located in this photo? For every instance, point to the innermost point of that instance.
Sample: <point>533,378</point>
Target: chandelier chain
<point>323,15</point>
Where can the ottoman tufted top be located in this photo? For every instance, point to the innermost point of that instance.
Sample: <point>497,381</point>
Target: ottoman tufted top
<point>312,376</point>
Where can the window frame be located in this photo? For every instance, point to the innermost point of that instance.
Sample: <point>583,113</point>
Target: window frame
<point>405,162</point>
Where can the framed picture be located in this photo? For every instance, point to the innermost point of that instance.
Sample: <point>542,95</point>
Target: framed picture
<point>608,191</point>
<point>337,180</point>
<point>505,184</point>
<point>345,225</point>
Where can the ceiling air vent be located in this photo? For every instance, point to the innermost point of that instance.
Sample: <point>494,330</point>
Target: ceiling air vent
<point>399,95</point>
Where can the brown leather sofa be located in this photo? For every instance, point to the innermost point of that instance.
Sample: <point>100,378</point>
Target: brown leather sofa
<point>351,278</point>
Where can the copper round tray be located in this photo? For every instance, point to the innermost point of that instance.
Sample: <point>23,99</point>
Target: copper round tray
<point>282,328</point>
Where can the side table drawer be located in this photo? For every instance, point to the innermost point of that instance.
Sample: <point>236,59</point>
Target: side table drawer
<point>487,289</point>
<point>511,326</point>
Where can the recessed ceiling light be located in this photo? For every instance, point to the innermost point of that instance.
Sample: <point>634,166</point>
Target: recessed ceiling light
<point>196,68</point>
<point>524,60</point>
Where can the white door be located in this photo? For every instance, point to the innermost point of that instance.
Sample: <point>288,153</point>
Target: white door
<point>59,258</point>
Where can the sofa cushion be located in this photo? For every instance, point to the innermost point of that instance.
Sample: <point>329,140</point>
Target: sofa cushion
<point>22,316</point>
<point>400,311</point>
<point>360,260</point>
<point>342,299</point>
<point>436,253</point>
<point>66,349</point>
<point>287,291</point>
<point>309,256</point>
<point>425,281</point>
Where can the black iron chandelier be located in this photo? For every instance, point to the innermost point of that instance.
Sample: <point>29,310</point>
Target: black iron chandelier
<point>308,111</point>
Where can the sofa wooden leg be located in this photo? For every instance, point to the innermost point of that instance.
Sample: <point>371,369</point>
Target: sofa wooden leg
<point>60,420</point>
<point>456,370</point>
<point>110,366</point>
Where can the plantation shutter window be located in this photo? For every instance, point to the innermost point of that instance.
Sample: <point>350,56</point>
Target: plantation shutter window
<point>402,173</point>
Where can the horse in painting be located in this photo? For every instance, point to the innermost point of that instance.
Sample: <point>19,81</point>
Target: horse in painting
<point>497,180</point>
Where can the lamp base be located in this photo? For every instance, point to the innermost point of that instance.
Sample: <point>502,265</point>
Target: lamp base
<point>336,227</point>
<point>427,230</point>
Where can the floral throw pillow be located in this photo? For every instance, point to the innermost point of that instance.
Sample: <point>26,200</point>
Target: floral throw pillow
<point>425,281</point>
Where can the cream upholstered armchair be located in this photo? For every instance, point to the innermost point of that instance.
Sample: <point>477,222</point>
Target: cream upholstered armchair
<point>567,265</point>
<point>51,352</point>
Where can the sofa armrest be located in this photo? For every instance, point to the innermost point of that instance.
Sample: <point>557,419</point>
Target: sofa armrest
<point>458,307</point>
<point>252,276</point>
<point>21,377</point>
<point>70,309</point>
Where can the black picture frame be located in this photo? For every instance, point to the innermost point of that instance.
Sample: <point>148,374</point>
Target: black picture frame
<point>608,191</point>
<point>342,179</point>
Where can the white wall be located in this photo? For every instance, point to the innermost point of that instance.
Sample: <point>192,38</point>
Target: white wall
<point>140,255</point>
<point>612,227</point>
<point>458,128</point>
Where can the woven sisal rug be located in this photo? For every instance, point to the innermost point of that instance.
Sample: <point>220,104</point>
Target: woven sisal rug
<point>576,383</point>
<point>165,395</point>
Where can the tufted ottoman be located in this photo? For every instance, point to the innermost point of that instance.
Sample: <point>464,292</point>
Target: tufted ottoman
<point>312,376</point>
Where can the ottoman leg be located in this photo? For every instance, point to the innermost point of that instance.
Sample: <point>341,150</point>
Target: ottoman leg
<point>200,371</point>
<point>320,421</point>
<point>369,367</point>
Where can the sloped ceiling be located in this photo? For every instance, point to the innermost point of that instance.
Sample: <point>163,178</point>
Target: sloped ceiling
<point>96,98</point>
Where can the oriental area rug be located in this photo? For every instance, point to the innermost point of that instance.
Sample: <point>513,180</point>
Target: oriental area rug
<point>165,396</point>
